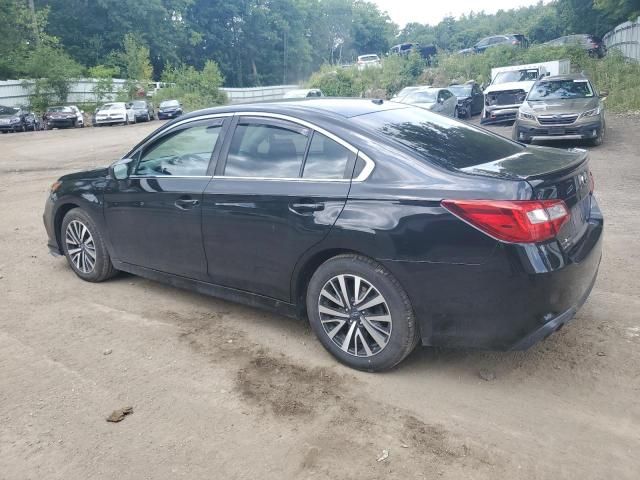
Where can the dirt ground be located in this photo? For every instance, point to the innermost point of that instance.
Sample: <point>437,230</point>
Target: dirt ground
<point>225,391</point>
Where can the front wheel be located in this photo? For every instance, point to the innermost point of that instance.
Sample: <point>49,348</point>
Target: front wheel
<point>85,248</point>
<point>599,140</point>
<point>360,313</point>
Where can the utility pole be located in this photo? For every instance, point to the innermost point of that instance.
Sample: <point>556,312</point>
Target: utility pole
<point>34,21</point>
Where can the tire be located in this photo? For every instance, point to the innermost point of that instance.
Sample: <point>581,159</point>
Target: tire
<point>126,121</point>
<point>468,115</point>
<point>71,233</point>
<point>148,117</point>
<point>455,113</point>
<point>399,335</point>
<point>599,140</point>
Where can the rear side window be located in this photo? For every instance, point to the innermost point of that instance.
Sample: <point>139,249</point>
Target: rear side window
<point>326,159</point>
<point>438,139</point>
<point>265,150</point>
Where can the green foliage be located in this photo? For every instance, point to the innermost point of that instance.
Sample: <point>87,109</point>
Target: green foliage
<point>134,59</point>
<point>196,89</point>
<point>53,71</point>
<point>396,73</point>
<point>104,82</point>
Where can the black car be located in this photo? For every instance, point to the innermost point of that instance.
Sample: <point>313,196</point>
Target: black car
<point>593,45</point>
<point>17,119</point>
<point>385,224</point>
<point>169,109</point>
<point>470,99</point>
<point>60,117</point>
<point>143,110</point>
<point>510,39</point>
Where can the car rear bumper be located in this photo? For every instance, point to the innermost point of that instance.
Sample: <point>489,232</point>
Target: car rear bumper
<point>61,123</point>
<point>518,296</point>
<point>558,132</point>
<point>165,115</point>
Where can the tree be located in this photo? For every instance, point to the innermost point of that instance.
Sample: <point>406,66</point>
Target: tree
<point>195,88</point>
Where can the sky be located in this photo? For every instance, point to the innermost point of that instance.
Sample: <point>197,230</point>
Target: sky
<point>431,12</point>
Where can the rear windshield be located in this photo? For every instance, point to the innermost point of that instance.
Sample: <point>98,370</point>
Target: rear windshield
<point>439,139</point>
<point>169,103</point>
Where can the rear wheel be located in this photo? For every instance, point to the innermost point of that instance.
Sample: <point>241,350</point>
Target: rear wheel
<point>360,313</point>
<point>84,247</point>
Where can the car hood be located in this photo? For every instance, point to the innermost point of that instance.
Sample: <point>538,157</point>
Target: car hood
<point>95,173</point>
<point>110,111</point>
<point>9,116</point>
<point>501,87</point>
<point>569,105</point>
<point>531,163</point>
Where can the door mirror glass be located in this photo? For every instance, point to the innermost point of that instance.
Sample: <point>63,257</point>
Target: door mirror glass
<point>121,169</point>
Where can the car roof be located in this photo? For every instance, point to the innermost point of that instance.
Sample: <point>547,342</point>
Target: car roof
<point>326,106</point>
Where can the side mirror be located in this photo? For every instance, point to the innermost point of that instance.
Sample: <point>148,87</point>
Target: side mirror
<point>121,169</point>
<point>440,100</point>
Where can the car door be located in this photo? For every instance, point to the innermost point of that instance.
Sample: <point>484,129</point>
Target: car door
<point>154,216</point>
<point>477,99</point>
<point>278,190</point>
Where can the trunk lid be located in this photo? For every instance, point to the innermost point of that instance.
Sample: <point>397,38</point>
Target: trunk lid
<point>552,174</point>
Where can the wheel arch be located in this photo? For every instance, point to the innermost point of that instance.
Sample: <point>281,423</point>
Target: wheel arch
<point>305,270</point>
<point>61,211</point>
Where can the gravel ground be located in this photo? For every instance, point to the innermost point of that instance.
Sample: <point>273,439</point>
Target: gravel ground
<point>220,390</point>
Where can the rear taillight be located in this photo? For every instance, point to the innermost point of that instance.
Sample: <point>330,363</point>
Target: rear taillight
<point>513,221</point>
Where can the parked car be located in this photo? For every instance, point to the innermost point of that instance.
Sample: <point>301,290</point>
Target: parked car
<point>79,116</point>
<point>143,110</point>
<point>379,222</point>
<point>304,93</point>
<point>368,61</point>
<point>427,52</point>
<point>511,39</point>
<point>440,100</point>
<point>169,109</point>
<point>115,112</point>
<point>62,117</point>
<point>594,46</point>
<point>565,107</point>
<point>17,119</point>
<point>404,92</point>
<point>470,99</point>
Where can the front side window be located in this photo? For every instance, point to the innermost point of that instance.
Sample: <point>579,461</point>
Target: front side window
<point>266,150</point>
<point>327,159</point>
<point>186,152</point>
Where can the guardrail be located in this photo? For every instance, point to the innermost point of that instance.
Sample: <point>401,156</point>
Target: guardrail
<point>16,92</point>
<point>626,38</point>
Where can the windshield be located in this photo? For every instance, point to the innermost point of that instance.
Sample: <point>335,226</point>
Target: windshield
<point>516,76</point>
<point>421,97</point>
<point>439,139</point>
<point>169,103</point>
<point>8,110</point>
<point>557,89</point>
<point>113,106</point>
<point>139,104</point>
<point>461,90</point>
<point>61,109</point>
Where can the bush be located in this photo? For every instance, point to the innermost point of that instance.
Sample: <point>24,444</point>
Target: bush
<point>396,73</point>
<point>195,89</point>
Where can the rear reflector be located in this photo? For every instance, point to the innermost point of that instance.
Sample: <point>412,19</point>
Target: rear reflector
<point>513,221</point>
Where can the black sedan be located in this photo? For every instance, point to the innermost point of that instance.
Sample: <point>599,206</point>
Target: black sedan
<point>143,110</point>
<point>384,224</point>
<point>16,119</point>
<point>169,109</point>
<point>470,99</point>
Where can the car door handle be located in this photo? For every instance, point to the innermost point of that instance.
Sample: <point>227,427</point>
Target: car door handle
<point>186,203</point>
<point>302,208</point>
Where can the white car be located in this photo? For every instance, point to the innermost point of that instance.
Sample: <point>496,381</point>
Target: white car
<point>439,100</point>
<point>367,61</point>
<point>79,115</point>
<point>115,112</point>
<point>304,93</point>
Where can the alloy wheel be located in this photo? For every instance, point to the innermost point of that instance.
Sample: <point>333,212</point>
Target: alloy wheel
<point>355,315</point>
<point>80,246</point>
